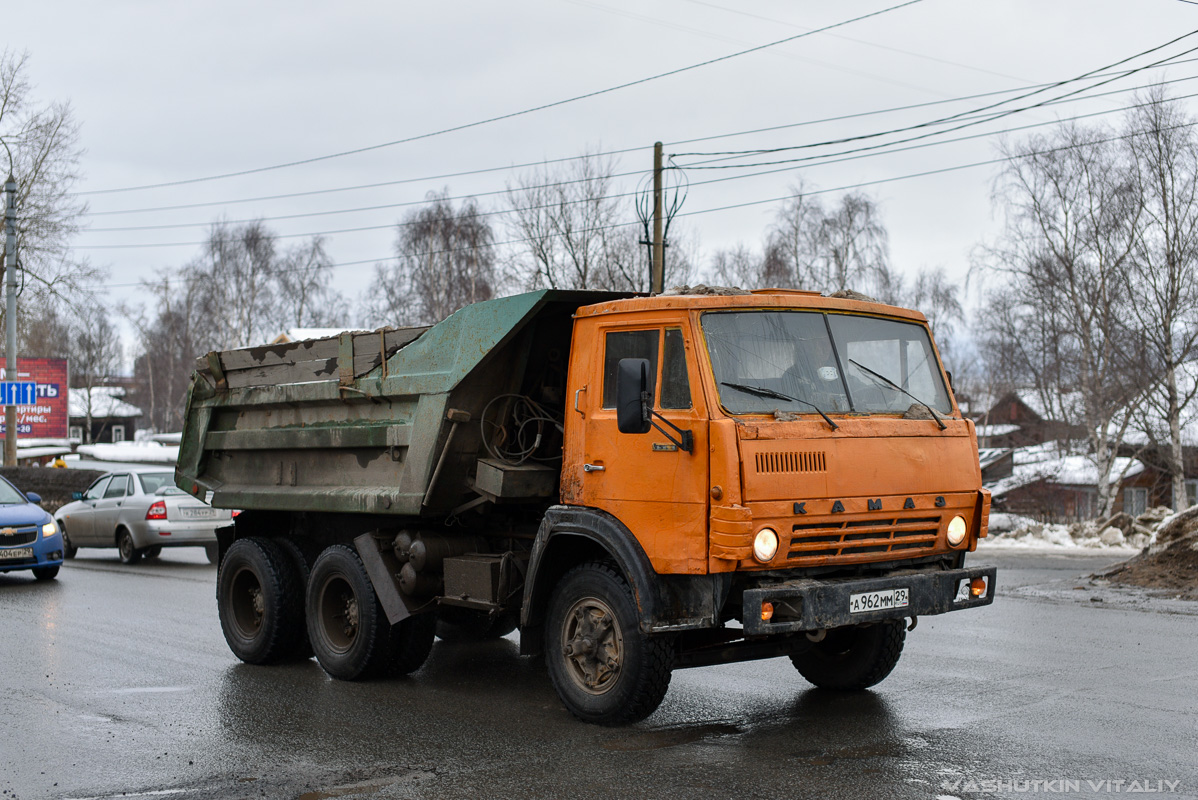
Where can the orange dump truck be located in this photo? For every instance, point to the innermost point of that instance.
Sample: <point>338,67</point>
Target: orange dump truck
<point>639,484</point>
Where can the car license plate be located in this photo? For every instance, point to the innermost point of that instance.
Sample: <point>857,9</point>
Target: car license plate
<point>195,512</point>
<point>879,601</point>
<point>16,552</point>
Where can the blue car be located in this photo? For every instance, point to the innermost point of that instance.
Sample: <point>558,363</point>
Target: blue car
<point>29,539</point>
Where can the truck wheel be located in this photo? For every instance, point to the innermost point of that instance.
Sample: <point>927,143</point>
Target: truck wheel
<point>409,644</point>
<point>603,668</point>
<point>463,625</point>
<point>126,549</point>
<point>212,551</point>
<point>260,601</point>
<point>68,550</point>
<point>346,625</point>
<point>153,552</point>
<point>853,658</point>
<point>299,561</point>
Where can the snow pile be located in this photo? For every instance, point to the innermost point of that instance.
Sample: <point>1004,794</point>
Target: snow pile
<point>106,401</point>
<point>1117,532</point>
<point>132,452</point>
<point>1170,562</point>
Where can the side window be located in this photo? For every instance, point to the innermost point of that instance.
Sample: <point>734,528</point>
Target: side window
<point>117,487</point>
<point>627,344</point>
<point>96,490</point>
<point>675,383</point>
<point>130,487</point>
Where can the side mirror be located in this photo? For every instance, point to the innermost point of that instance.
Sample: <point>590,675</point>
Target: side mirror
<point>632,385</point>
<point>76,495</point>
<point>33,497</point>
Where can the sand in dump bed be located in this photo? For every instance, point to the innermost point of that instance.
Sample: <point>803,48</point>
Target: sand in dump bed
<point>1170,563</point>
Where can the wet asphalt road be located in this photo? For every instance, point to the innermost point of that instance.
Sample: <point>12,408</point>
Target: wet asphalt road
<point>117,680</point>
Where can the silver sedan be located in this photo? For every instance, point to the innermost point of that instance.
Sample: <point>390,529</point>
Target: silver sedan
<point>139,513</point>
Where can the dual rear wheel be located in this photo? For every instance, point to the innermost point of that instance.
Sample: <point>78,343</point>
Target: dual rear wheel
<point>274,608</point>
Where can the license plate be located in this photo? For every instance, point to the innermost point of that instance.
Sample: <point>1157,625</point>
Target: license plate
<point>194,512</point>
<point>879,601</point>
<point>16,552</point>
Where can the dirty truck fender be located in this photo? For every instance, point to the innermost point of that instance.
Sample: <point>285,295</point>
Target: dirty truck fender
<point>571,535</point>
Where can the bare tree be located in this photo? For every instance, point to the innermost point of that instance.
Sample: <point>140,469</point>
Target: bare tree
<point>1163,150</point>
<point>94,350</point>
<point>304,288</point>
<point>1072,210</point>
<point>445,259</point>
<point>578,232</point>
<point>43,140</point>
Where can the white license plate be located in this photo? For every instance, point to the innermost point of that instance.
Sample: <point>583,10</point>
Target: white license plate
<point>17,552</point>
<point>879,601</point>
<point>193,512</point>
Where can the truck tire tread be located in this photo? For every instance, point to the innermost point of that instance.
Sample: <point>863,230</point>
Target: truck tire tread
<point>871,655</point>
<point>283,616</point>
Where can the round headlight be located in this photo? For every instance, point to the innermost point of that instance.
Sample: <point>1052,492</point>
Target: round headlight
<point>765,545</point>
<point>956,531</point>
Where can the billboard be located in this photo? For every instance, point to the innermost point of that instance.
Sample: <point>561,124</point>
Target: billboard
<point>49,416</point>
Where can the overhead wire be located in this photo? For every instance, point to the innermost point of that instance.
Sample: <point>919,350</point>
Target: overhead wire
<point>622,151</point>
<point>733,206</point>
<point>510,115</point>
<point>825,159</point>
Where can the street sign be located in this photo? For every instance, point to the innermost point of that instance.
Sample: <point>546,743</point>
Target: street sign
<point>18,393</point>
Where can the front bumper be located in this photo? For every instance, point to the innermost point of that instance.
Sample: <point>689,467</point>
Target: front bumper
<point>811,605</point>
<point>47,552</point>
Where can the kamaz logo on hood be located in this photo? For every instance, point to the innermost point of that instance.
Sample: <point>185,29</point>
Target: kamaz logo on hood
<point>871,504</point>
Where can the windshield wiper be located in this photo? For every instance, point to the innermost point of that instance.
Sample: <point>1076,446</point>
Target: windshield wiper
<point>764,392</point>
<point>895,386</point>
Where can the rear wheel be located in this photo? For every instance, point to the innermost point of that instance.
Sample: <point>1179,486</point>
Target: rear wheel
<point>260,602</point>
<point>346,625</point>
<point>68,550</point>
<point>213,553</point>
<point>126,548</point>
<point>45,573</point>
<point>603,668</point>
<point>853,658</point>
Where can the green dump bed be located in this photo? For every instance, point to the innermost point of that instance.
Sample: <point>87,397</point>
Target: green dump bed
<point>360,422</point>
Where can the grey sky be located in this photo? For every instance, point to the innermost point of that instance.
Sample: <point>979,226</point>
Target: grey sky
<point>170,91</point>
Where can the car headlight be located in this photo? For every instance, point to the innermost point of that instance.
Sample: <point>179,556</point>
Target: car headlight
<point>49,529</point>
<point>765,545</point>
<point>956,531</point>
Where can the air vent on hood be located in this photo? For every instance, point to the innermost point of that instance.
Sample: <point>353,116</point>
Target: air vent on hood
<point>791,462</point>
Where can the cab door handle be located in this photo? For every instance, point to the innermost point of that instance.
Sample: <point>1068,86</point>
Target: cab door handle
<point>593,468</point>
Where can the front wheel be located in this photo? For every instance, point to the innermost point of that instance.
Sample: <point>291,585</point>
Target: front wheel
<point>260,601</point>
<point>68,550</point>
<point>852,658</point>
<point>603,668</point>
<point>126,548</point>
<point>45,573</point>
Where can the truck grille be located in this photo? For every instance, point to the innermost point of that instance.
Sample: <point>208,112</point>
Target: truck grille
<point>793,461</point>
<point>864,536</point>
<point>22,536</point>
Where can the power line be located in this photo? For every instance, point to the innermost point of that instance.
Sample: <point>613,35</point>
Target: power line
<point>510,115</point>
<point>919,137</point>
<point>961,114</point>
<point>734,206</point>
<point>823,160</point>
<point>623,151</point>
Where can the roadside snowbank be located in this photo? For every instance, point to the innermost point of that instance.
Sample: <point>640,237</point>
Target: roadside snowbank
<point>131,452</point>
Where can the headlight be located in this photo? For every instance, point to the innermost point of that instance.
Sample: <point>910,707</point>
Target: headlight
<point>765,545</point>
<point>49,529</point>
<point>956,531</point>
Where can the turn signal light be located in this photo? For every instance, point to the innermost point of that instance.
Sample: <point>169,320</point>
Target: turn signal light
<point>157,511</point>
<point>767,611</point>
<point>977,587</point>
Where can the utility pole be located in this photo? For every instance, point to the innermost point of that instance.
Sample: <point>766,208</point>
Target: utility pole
<point>10,312</point>
<point>657,271</point>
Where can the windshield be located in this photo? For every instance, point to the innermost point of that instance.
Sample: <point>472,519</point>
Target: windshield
<point>10,495</point>
<point>821,361</point>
